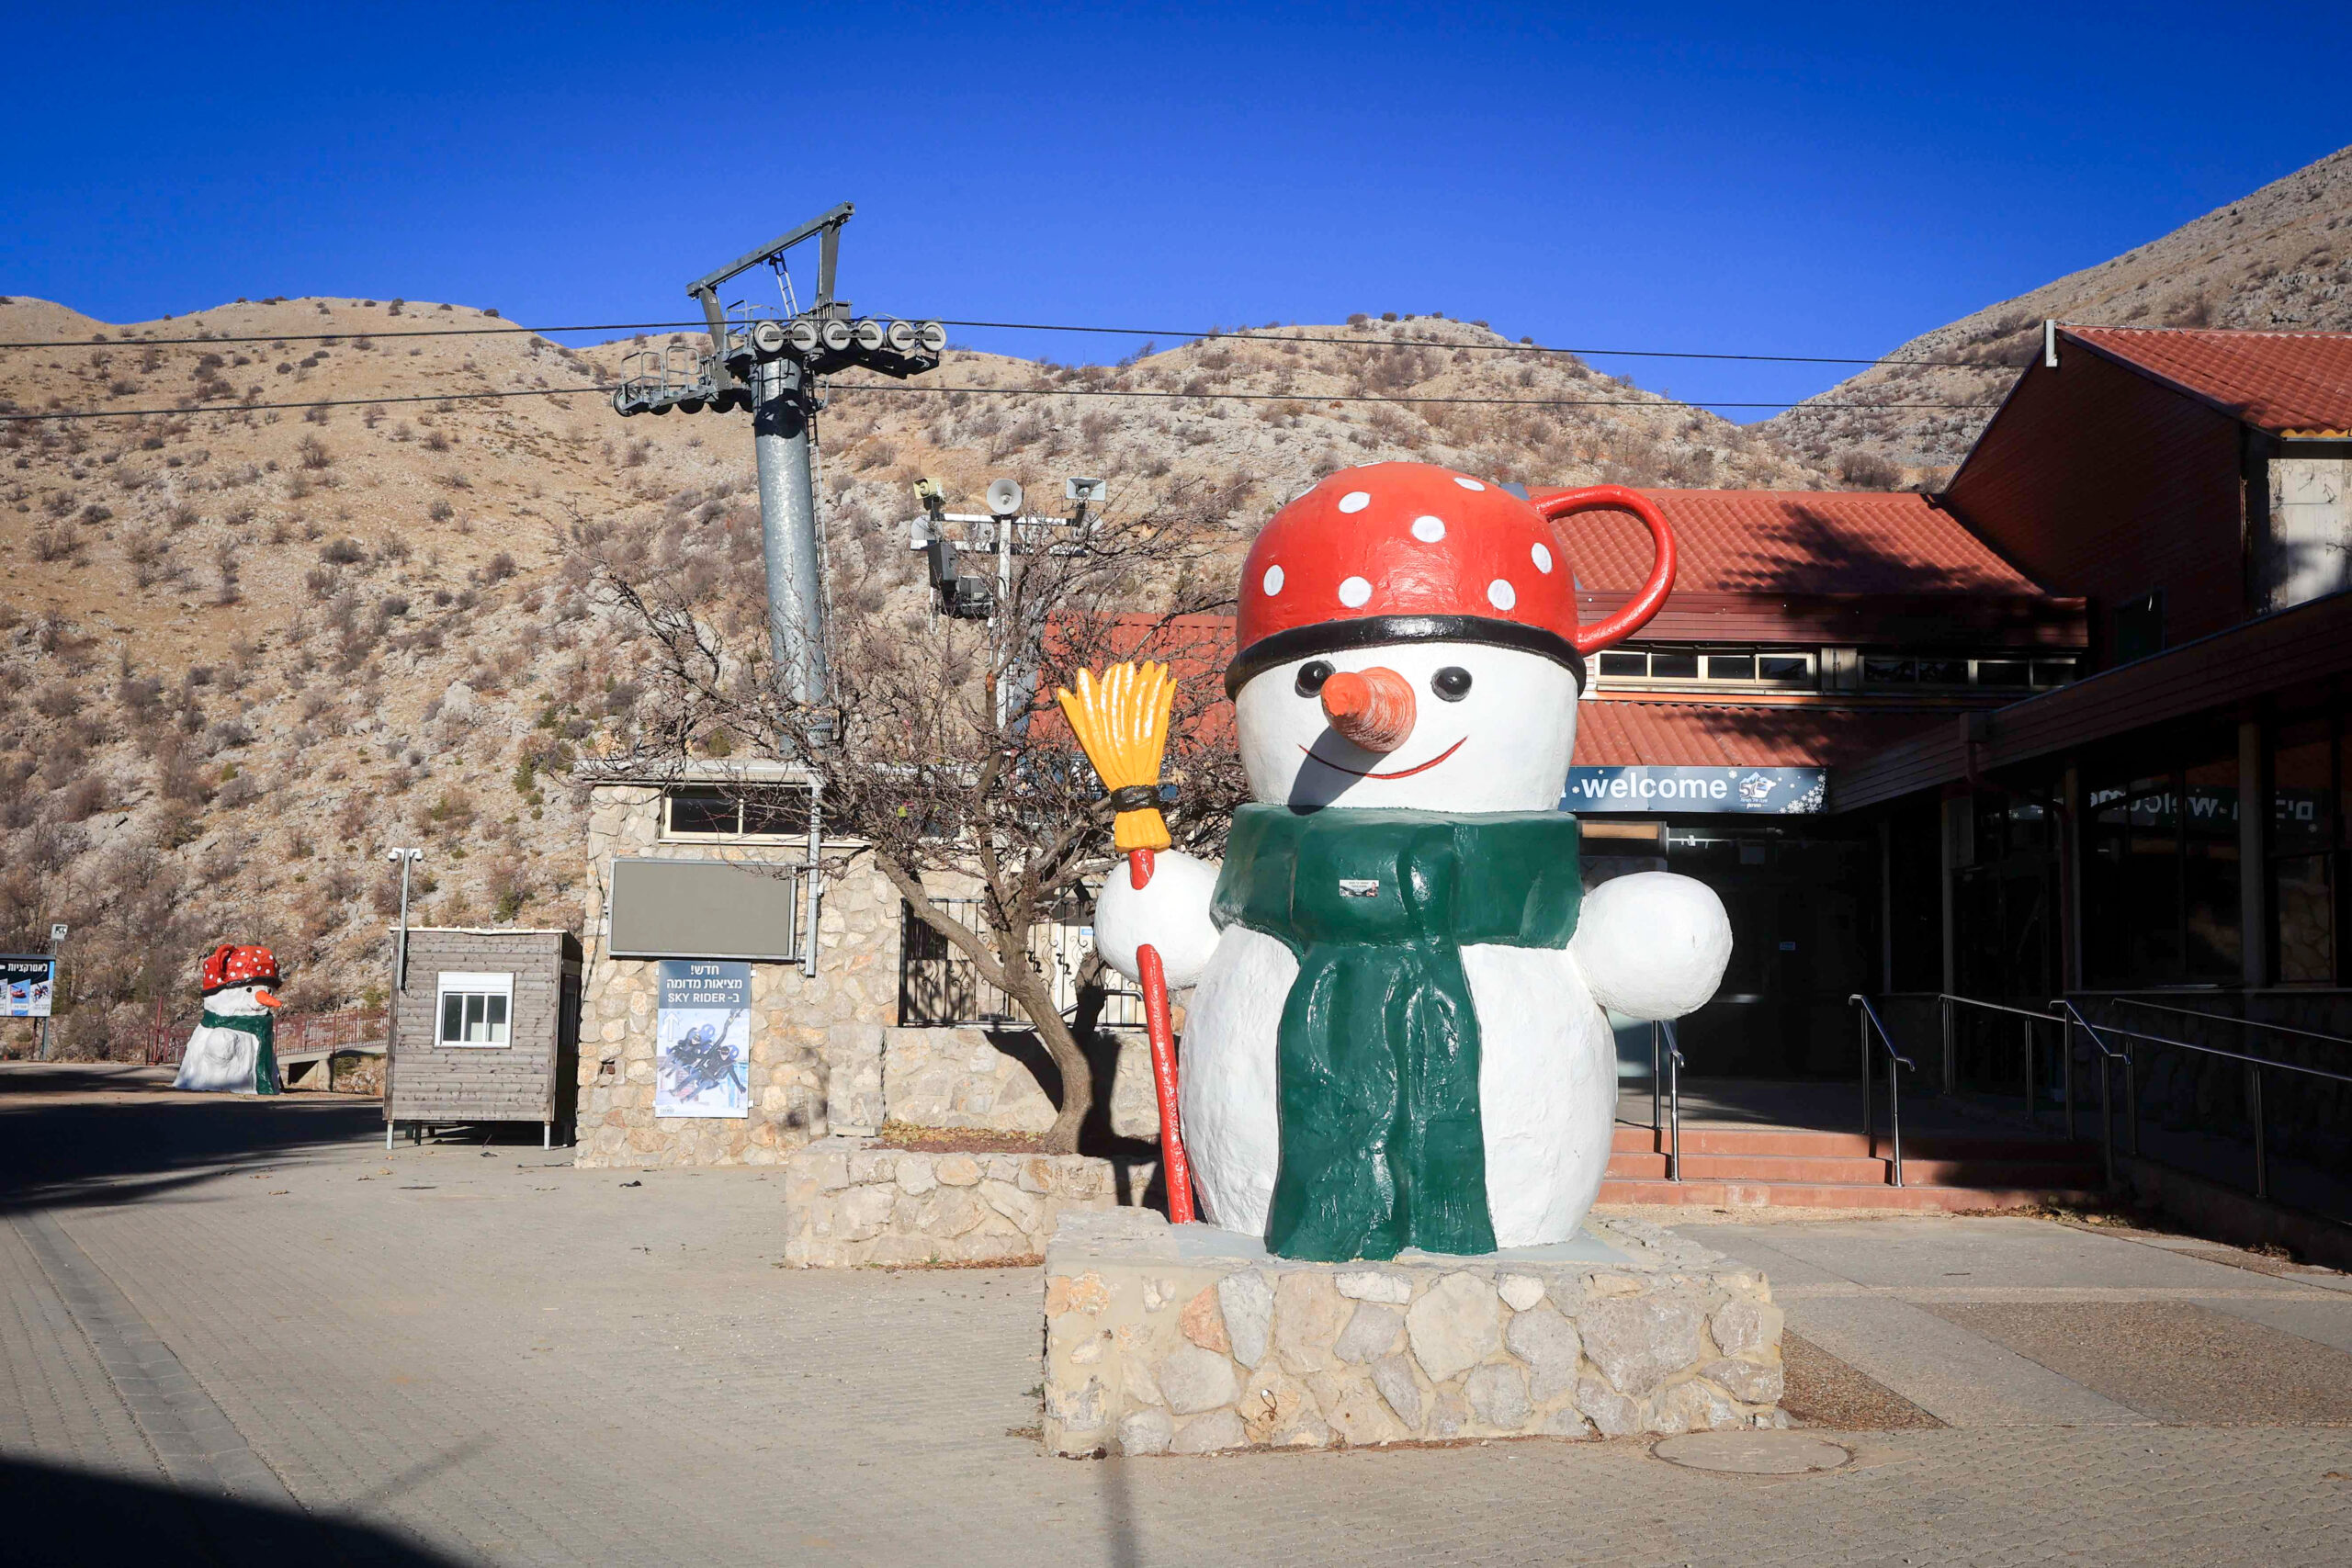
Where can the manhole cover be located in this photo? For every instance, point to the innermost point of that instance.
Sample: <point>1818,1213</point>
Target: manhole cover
<point>1752,1453</point>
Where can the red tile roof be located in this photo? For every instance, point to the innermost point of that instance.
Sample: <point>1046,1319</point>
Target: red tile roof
<point>1793,542</point>
<point>1612,732</point>
<point>2296,383</point>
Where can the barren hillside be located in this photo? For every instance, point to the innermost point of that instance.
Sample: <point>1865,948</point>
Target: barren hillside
<point>243,653</point>
<point>2280,258</point>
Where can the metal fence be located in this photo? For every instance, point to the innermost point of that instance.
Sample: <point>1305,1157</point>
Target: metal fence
<point>940,987</point>
<point>2269,1111</point>
<point>352,1028</point>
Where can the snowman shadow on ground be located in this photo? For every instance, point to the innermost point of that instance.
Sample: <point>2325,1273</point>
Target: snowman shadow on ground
<point>1397,1036</point>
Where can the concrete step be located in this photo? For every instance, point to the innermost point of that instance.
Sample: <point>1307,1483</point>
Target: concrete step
<point>1788,1143</point>
<point>1925,1199</point>
<point>1992,1175</point>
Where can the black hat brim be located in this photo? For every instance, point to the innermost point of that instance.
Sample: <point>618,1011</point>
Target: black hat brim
<point>1370,631</point>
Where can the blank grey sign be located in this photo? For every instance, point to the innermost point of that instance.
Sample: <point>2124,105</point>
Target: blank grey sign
<point>703,908</point>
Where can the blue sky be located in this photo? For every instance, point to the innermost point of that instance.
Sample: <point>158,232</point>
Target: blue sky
<point>1826,180</point>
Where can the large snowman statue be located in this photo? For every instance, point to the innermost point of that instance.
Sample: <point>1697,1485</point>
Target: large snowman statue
<point>1395,1036</point>
<point>233,1047</point>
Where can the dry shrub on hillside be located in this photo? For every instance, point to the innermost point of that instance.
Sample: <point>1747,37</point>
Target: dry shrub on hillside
<point>1868,470</point>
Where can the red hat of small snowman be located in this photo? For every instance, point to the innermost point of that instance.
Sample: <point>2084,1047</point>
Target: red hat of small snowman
<point>1410,552</point>
<point>232,965</point>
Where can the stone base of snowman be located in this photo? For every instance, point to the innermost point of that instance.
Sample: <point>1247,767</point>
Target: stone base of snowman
<point>1184,1339</point>
<point>1398,1081</point>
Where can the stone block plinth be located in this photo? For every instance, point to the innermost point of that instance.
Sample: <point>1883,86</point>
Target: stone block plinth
<point>851,1201</point>
<point>1187,1339</point>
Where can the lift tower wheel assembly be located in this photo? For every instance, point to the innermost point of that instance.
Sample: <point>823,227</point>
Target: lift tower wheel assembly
<point>770,369</point>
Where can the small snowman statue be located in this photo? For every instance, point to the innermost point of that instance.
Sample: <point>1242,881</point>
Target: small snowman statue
<point>233,1046</point>
<point>1396,1035</point>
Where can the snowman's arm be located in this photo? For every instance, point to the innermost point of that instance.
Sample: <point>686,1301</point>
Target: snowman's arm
<point>1171,912</point>
<point>1652,944</point>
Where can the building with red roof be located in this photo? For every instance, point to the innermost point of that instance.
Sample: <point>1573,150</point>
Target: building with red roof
<point>1994,741</point>
<point>2178,818</point>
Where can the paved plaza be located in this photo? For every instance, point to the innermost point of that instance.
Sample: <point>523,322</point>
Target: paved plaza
<point>235,1329</point>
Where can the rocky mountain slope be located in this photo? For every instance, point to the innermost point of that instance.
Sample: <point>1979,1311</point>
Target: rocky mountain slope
<point>242,654</point>
<point>2278,259</point>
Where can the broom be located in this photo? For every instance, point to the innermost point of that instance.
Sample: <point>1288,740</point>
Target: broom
<point>1122,721</point>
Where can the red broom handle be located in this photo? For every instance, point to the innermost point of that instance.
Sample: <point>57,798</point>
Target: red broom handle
<point>1163,1061</point>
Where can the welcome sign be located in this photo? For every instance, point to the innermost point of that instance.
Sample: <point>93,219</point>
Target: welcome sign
<point>1746,791</point>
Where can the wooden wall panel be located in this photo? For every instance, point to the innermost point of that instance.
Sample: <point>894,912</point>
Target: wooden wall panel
<point>2094,480</point>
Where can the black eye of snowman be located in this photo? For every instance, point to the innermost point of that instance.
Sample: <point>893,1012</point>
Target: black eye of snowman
<point>1451,683</point>
<point>1311,676</point>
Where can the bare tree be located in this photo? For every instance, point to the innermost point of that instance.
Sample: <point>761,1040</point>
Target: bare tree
<point>940,753</point>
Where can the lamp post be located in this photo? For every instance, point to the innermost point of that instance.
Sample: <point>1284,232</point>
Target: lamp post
<point>56,939</point>
<point>405,858</point>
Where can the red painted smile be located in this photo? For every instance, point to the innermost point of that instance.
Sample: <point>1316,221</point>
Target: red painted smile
<point>1399,773</point>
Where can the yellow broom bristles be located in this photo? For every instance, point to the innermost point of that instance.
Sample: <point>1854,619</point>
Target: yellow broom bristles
<point>1121,720</point>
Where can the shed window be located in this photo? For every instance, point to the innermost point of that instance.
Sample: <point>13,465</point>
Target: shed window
<point>474,1009</point>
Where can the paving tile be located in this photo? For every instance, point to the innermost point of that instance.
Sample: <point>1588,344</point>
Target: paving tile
<point>2174,1360</point>
<point>393,1358</point>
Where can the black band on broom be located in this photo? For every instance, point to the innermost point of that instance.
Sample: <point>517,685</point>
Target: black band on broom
<point>1122,721</point>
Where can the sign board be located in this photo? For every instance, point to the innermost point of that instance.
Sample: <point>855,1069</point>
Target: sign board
<point>27,979</point>
<point>57,933</point>
<point>1739,792</point>
<point>702,1050</point>
<point>703,908</point>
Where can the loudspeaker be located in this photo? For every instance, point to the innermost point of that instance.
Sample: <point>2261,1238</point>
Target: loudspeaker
<point>1005,498</point>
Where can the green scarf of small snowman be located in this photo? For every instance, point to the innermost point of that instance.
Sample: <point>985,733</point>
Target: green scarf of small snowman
<point>263,1029</point>
<point>1377,1054</point>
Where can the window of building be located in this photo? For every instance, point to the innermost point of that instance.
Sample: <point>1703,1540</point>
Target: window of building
<point>2053,672</point>
<point>472,1008</point>
<point>2000,672</point>
<point>2310,772</point>
<point>2161,894</point>
<point>735,811</point>
<point>2140,626</point>
<point>1735,667</point>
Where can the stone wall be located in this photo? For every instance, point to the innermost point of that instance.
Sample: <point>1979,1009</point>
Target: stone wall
<point>802,1029</point>
<point>995,1079</point>
<point>1185,1339</point>
<point>848,1201</point>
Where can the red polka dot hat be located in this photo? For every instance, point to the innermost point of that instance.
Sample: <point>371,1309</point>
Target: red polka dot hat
<point>232,965</point>
<point>1411,552</point>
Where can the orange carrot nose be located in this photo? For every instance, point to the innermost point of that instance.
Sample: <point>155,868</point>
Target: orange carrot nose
<point>1373,709</point>
<point>266,1000</point>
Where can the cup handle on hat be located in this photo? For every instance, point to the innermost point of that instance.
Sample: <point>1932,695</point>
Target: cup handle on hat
<point>1637,612</point>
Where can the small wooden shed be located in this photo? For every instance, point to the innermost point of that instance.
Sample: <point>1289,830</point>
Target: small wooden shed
<point>485,1028</point>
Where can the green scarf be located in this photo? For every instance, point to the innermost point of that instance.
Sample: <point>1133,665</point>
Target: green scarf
<point>265,1032</point>
<point>1377,1054</point>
